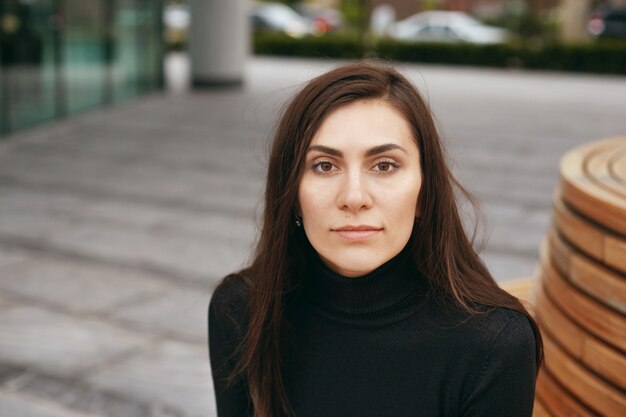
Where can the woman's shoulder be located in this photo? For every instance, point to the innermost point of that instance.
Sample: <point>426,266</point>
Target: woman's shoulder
<point>500,319</point>
<point>501,364</point>
<point>230,291</point>
<point>229,301</point>
<point>227,325</point>
<point>500,324</point>
<point>480,332</point>
<point>501,335</point>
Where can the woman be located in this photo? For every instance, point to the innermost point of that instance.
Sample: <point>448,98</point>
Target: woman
<point>365,297</point>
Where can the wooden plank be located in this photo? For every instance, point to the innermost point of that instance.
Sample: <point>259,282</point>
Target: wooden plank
<point>589,238</point>
<point>560,251</point>
<point>610,215</point>
<point>597,166</point>
<point>590,351</point>
<point>605,360</point>
<point>618,169</point>
<point>539,410</point>
<point>583,192</point>
<point>565,331</point>
<point>583,384</point>
<point>588,313</point>
<point>615,252</point>
<point>605,285</point>
<point>559,402</point>
<point>576,230</point>
<point>600,282</point>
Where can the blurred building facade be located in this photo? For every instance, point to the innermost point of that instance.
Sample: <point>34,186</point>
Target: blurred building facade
<point>62,57</point>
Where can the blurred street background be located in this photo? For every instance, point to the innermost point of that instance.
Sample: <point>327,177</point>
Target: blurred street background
<point>133,151</point>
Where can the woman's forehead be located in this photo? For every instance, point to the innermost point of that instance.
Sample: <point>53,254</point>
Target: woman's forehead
<point>364,124</point>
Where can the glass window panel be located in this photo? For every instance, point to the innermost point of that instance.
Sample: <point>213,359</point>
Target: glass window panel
<point>28,62</point>
<point>53,56</point>
<point>150,38</point>
<point>84,53</point>
<point>3,106</point>
<point>126,50</point>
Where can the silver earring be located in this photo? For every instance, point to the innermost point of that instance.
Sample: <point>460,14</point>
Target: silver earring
<point>298,221</point>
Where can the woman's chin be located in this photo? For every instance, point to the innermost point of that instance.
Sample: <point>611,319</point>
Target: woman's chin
<point>354,262</point>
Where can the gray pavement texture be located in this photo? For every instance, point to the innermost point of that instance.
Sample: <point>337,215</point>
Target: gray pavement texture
<point>115,225</point>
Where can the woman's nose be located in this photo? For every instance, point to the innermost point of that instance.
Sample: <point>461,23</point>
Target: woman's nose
<point>354,194</point>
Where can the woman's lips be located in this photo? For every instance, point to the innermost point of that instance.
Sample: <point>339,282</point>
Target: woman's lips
<point>357,233</point>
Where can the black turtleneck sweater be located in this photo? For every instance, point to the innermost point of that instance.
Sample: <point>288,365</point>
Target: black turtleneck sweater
<point>381,346</point>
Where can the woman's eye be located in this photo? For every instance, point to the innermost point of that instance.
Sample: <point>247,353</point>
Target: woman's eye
<point>385,166</point>
<point>324,167</point>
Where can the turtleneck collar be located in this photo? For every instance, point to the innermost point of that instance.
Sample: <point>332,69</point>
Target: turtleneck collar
<point>389,292</point>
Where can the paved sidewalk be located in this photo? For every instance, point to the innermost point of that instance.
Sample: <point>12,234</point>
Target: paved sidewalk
<point>115,225</point>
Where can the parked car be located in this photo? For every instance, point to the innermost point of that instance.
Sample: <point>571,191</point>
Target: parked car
<point>278,17</point>
<point>443,26</point>
<point>608,23</point>
<point>322,19</point>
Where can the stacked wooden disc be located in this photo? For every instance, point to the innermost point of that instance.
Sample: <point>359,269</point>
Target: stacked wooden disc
<point>579,298</point>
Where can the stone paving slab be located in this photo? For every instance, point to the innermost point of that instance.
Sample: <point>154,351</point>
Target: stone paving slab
<point>59,343</point>
<point>76,396</point>
<point>184,156</point>
<point>9,373</point>
<point>178,313</point>
<point>12,256</point>
<point>26,225</point>
<point>185,150</point>
<point>505,267</point>
<point>78,287</point>
<point>204,189</point>
<point>229,229</point>
<point>199,260</point>
<point>517,159</point>
<point>74,207</point>
<point>17,404</point>
<point>174,373</point>
<point>523,242</point>
<point>50,203</point>
<point>5,302</point>
<point>523,191</point>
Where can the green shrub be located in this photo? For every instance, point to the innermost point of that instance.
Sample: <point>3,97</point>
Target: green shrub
<point>599,57</point>
<point>466,54</point>
<point>326,47</point>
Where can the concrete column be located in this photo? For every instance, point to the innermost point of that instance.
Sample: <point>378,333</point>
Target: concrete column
<point>218,42</point>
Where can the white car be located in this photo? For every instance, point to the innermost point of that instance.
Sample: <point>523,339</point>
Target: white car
<point>278,17</point>
<point>442,26</point>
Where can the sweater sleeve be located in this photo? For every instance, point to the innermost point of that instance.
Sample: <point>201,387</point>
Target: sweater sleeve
<point>225,322</point>
<point>506,383</point>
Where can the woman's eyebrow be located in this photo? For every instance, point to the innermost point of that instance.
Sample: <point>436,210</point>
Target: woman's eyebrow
<point>370,152</point>
<point>325,149</point>
<point>384,148</point>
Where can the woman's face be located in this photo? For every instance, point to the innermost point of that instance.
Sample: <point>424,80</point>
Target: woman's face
<point>359,190</point>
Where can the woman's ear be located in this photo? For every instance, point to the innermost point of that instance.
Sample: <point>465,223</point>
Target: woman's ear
<point>298,215</point>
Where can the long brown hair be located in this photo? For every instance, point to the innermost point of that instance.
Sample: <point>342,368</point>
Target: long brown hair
<point>439,244</point>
